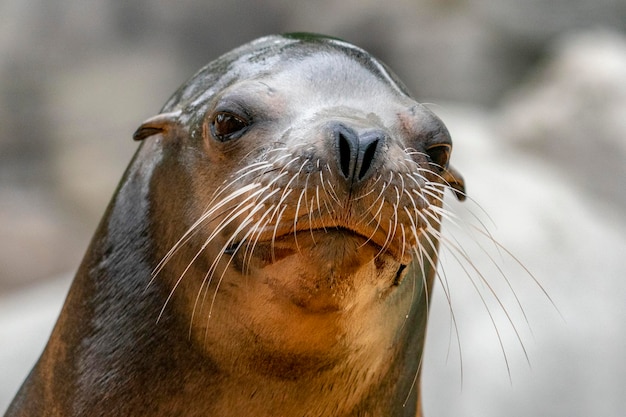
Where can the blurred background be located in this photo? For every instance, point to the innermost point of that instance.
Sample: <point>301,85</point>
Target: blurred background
<point>533,92</point>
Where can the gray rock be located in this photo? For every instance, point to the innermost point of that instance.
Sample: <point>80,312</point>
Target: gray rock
<point>572,112</point>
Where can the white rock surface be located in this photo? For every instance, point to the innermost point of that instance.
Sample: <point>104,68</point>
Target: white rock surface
<point>26,320</point>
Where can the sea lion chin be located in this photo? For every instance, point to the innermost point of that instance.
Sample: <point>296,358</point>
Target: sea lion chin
<point>269,251</point>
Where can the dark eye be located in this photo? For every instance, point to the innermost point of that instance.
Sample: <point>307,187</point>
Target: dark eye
<point>226,126</point>
<point>439,155</point>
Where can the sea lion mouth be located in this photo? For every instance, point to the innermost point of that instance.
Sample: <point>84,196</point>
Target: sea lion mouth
<point>275,244</point>
<point>274,237</point>
<point>321,270</point>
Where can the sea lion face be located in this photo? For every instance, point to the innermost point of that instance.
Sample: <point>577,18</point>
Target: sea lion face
<point>299,189</point>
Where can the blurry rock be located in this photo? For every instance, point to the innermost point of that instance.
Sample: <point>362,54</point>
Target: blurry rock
<point>25,147</point>
<point>573,112</point>
<point>537,21</point>
<point>39,237</point>
<point>26,320</point>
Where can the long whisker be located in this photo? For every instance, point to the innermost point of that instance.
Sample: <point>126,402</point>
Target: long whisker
<point>521,264</point>
<point>462,258</point>
<point>207,215</point>
<point>429,235</point>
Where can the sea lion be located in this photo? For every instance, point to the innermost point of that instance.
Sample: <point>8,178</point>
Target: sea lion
<point>270,250</point>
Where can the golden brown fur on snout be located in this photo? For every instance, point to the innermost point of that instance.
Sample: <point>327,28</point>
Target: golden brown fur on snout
<point>270,250</point>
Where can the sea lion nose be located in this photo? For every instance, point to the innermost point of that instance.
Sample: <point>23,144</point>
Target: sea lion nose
<point>357,151</point>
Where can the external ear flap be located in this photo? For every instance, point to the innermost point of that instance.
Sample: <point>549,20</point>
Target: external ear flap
<point>160,123</point>
<point>455,181</point>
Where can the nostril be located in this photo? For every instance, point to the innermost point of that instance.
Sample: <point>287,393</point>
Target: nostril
<point>356,151</point>
<point>368,158</point>
<point>347,143</point>
<point>345,154</point>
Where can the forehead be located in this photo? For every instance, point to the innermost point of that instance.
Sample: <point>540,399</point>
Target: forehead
<point>333,74</point>
<point>318,83</point>
<point>330,69</point>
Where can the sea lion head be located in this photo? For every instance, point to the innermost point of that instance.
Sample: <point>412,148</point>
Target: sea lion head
<point>295,190</point>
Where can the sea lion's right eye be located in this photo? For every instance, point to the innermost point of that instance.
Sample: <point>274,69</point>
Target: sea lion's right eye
<point>226,126</point>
